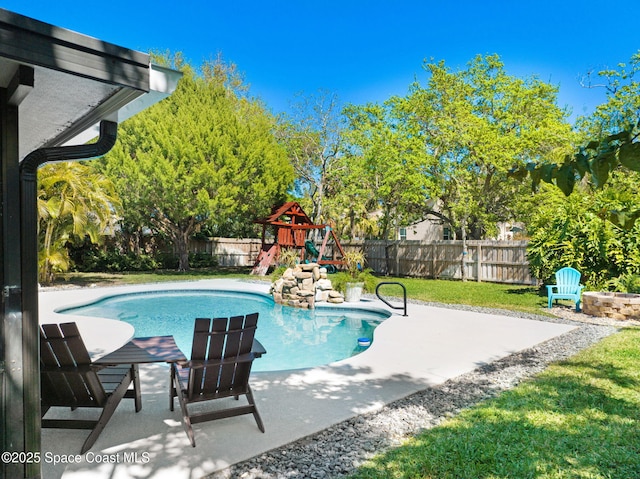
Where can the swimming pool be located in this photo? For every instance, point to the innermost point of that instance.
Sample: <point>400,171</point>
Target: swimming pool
<point>294,338</point>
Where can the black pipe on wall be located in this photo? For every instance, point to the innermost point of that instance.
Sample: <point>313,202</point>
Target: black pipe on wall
<point>29,263</point>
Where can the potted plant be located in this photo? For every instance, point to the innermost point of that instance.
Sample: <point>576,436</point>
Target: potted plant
<point>356,278</point>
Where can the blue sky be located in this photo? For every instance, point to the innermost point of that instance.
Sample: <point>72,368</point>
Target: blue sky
<point>365,51</point>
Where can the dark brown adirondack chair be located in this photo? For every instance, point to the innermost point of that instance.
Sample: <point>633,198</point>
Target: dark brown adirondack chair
<point>69,379</point>
<point>220,365</point>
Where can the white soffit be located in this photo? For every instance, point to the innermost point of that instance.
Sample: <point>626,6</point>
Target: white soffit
<point>57,101</point>
<point>162,82</point>
<point>77,81</point>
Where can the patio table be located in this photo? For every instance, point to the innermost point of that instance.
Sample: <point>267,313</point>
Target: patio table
<point>153,349</point>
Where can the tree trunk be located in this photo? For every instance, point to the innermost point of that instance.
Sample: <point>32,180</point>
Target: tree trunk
<point>179,235</point>
<point>352,225</point>
<point>317,214</point>
<point>181,243</point>
<point>45,275</point>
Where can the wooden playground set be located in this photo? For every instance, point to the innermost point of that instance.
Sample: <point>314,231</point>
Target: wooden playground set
<point>291,225</point>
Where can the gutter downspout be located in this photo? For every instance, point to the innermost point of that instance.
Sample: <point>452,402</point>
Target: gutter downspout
<point>29,263</point>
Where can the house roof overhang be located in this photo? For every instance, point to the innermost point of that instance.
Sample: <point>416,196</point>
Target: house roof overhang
<point>73,81</point>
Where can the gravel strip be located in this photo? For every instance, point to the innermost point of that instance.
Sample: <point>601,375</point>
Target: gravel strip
<point>337,451</point>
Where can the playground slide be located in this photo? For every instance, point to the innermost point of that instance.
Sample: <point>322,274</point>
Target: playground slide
<point>265,258</point>
<point>311,248</point>
<point>314,254</point>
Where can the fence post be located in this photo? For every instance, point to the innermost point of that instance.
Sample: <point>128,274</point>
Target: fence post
<point>433,260</point>
<point>479,261</point>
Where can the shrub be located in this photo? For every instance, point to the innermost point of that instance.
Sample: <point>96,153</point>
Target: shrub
<point>288,257</point>
<point>111,260</point>
<point>202,260</point>
<point>628,283</point>
<point>355,273</point>
<point>355,263</point>
<point>574,231</point>
<point>277,273</point>
<point>339,280</point>
<point>167,261</point>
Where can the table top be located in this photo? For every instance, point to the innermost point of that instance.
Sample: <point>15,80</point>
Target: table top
<point>154,349</point>
<point>257,348</point>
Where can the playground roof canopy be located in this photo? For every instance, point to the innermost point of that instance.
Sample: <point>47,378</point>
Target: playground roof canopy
<point>293,210</point>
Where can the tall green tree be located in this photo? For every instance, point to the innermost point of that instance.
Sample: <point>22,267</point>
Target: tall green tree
<point>383,159</point>
<point>312,135</point>
<point>612,142</point>
<point>204,158</point>
<point>476,124</point>
<point>622,106</point>
<point>74,202</point>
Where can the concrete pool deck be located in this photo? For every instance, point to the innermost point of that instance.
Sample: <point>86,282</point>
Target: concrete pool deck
<point>408,354</point>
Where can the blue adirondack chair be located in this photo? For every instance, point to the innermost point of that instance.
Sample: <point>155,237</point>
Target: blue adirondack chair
<point>567,286</point>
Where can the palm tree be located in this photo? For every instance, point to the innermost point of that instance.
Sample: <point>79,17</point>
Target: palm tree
<point>74,202</point>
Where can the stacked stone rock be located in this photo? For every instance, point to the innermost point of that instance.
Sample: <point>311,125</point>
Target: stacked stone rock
<point>619,306</point>
<point>305,285</point>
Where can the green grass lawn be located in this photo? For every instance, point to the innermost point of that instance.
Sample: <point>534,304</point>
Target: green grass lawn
<point>490,295</point>
<point>578,419</point>
<point>112,279</point>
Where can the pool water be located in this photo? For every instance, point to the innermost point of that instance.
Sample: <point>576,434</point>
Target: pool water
<point>294,338</point>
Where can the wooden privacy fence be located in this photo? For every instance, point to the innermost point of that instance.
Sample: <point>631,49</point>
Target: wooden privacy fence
<point>229,251</point>
<point>486,260</point>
